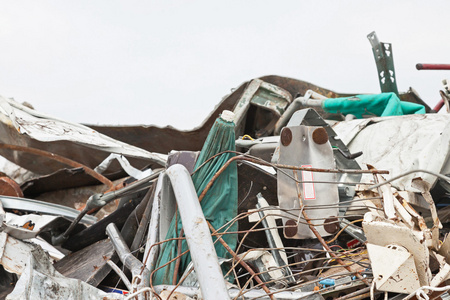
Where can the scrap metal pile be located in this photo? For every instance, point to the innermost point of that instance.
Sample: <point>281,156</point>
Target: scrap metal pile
<point>286,191</point>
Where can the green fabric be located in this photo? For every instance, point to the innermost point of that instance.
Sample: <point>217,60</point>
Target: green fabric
<point>382,105</point>
<point>219,204</point>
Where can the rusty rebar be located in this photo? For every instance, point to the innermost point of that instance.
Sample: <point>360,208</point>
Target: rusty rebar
<point>351,171</point>
<point>243,263</point>
<point>61,159</point>
<point>210,183</point>
<point>320,238</point>
<point>261,161</point>
<point>157,269</point>
<point>177,264</point>
<point>224,244</point>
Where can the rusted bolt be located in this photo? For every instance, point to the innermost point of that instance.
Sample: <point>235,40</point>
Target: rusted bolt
<point>286,136</point>
<point>320,136</point>
<point>291,228</point>
<point>331,225</point>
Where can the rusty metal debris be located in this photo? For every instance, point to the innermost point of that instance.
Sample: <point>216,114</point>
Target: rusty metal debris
<point>285,200</point>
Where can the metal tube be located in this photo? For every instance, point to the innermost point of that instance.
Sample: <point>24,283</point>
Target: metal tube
<point>197,233</point>
<point>219,238</point>
<point>354,231</point>
<point>284,119</point>
<point>45,208</point>
<point>432,66</point>
<point>310,98</point>
<point>135,265</point>
<point>120,273</point>
<point>234,292</point>
<point>151,253</point>
<point>439,105</point>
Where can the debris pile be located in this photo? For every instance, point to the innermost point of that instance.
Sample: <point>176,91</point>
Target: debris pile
<point>287,191</point>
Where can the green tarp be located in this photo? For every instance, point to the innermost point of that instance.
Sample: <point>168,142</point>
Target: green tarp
<point>382,105</point>
<point>219,205</point>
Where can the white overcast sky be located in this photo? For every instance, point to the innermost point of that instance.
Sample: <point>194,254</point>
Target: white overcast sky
<point>171,62</point>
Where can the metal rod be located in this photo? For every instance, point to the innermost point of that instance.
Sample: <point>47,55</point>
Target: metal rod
<point>440,176</point>
<point>439,105</point>
<point>388,197</point>
<point>432,66</point>
<point>210,183</point>
<point>350,171</point>
<point>262,162</point>
<point>358,297</point>
<point>178,262</point>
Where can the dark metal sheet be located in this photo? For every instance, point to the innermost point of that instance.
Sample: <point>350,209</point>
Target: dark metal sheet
<point>62,179</point>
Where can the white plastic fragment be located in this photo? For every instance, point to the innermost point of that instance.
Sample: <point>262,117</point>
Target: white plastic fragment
<point>227,116</point>
<point>388,198</point>
<point>441,276</point>
<point>393,269</point>
<point>385,232</point>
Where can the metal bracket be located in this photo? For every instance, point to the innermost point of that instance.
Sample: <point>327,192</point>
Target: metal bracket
<point>385,64</point>
<point>344,158</point>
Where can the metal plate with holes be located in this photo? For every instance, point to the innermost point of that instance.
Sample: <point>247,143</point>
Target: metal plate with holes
<point>306,146</point>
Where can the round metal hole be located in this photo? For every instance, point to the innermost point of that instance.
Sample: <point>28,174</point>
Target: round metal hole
<point>291,228</point>
<point>286,136</point>
<point>320,136</point>
<point>331,225</point>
